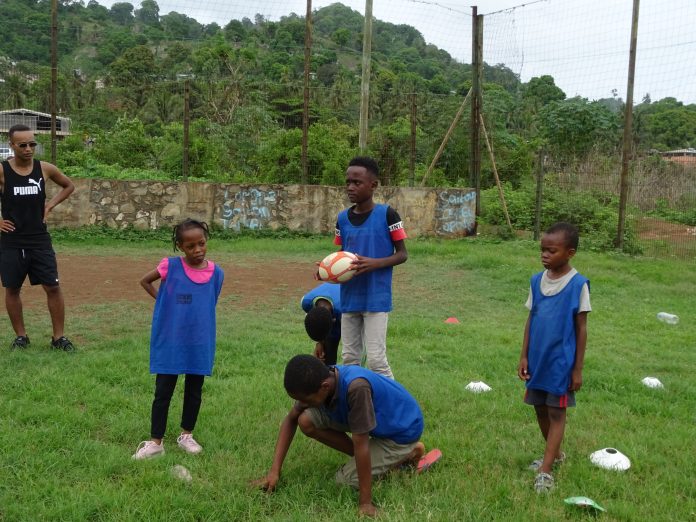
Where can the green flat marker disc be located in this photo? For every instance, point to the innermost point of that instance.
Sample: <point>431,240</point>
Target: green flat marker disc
<point>583,502</point>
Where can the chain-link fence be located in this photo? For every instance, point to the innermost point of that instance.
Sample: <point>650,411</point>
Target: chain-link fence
<point>215,90</point>
<point>574,58</point>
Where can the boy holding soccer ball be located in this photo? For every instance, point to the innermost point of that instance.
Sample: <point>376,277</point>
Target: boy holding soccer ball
<point>375,233</point>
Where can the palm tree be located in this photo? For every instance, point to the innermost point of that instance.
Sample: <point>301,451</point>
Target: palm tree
<point>14,90</point>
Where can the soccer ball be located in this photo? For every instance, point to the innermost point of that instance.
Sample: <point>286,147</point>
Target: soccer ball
<point>335,268</point>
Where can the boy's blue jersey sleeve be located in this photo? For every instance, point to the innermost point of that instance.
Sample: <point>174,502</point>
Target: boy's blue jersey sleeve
<point>306,302</point>
<point>328,291</point>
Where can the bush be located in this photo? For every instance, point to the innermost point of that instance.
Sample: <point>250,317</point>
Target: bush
<point>684,212</point>
<point>595,213</point>
<point>92,169</point>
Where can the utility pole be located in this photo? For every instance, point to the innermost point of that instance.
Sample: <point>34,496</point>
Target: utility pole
<point>54,76</point>
<point>365,83</point>
<point>414,130</point>
<point>187,125</point>
<point>628,128</point>
<point>476,103</point>
<point>305,103</point>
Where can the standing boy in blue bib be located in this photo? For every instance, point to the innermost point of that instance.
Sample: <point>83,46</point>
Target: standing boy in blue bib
<point>375,233</point>
<point>553,350</point>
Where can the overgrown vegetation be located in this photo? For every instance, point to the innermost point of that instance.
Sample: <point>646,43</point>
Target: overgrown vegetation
<point>595,213</point>
<point>123,71</point>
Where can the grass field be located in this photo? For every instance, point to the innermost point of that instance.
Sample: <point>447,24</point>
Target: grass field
<point>69,423</point>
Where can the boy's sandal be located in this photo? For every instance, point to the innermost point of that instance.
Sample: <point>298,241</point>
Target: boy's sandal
<point>536,464</point>
<point>543,483</point>
<point>428,460</point>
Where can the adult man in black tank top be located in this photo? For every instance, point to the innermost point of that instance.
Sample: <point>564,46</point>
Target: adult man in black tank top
<point>25,244</point>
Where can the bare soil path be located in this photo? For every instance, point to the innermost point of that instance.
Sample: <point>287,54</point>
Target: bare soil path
<point>101,279</point>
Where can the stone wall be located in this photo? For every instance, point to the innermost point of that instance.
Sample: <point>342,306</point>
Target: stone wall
<point>149,204</point>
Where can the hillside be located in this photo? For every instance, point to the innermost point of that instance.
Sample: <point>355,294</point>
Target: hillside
<point>121,72</point>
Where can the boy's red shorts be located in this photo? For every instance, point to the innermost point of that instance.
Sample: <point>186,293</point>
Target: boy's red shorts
<point>543,398</point>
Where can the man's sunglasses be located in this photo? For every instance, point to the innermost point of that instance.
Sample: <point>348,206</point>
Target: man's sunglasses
<point>31,144</point>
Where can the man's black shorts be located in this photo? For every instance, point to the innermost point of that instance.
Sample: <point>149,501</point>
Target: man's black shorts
<point>18,263</point>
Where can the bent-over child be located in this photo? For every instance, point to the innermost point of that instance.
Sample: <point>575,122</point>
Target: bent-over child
<point>323,320</point>
<point>182,341</point>
<point>384,420</point>
<point>553,349</point>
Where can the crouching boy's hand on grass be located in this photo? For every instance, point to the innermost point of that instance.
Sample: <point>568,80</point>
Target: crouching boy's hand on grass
<point>267,483</point>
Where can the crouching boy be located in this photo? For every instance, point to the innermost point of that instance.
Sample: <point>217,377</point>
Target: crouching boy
<point>384,420</point>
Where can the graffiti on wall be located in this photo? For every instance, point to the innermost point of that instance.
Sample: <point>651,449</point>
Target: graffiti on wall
<point>250,208</point>
<point>455,212</point>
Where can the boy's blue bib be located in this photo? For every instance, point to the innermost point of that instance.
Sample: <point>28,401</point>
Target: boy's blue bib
<point>399,418</point>
<point>371,292</point>
<point>552,339</point>
<point>183,323</point>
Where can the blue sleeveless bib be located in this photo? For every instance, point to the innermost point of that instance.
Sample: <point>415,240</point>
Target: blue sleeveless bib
<point>552,339</point>
<point>370,292</point>
<point>399,418</point>
<point>183,324</point>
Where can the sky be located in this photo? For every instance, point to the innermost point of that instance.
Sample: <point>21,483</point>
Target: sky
<point>583,44</point>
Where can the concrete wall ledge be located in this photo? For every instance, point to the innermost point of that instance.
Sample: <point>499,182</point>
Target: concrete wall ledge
<point>445,212</point>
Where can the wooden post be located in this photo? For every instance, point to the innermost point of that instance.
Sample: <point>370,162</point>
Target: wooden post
<point>365,83</point>
<point>497,178</point>
<point>412,156</point>
<point>539,191</point>
<point>54,77</point>
<point>445,139</point>
<point>305,103</point>
<point>187,123</point>
<point>476,104</point>
<point>628,129</point>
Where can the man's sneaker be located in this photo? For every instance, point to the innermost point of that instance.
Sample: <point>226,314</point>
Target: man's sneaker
<point>543,483</point>
<point>62,343</point>
<point>148,449</point>
<point>536,464</point>
<point>187,443</point>
<point>20,343</point>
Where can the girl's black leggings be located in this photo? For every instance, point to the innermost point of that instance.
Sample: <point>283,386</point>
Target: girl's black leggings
<point>164,388</point>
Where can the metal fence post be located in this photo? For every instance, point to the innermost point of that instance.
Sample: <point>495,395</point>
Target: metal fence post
<point>365,82</point>
<point>305,97</point>
<point>539,191</point>
<point>412,155</point>
<point>187,123</point>
<point>476,102</point>
<point>628,127</point>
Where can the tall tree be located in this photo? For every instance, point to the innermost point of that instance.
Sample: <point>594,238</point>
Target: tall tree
<point>148,14</point>
<point>122,13</point>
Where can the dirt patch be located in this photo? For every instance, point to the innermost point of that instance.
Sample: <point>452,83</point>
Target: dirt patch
<point>651,228</point>
<point>103,279</point>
